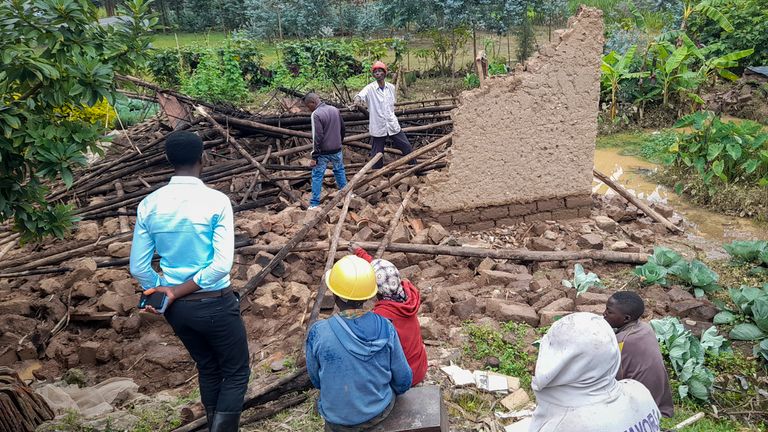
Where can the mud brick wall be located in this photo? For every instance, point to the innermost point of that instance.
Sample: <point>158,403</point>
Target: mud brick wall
<point>525,142</point>
<point>484,218</point>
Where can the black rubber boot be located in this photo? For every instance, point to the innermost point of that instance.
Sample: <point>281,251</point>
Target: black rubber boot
<point>226,422</point>
<point>210,413</point>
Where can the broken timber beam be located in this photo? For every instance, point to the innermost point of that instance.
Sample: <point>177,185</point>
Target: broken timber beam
<point>283,187</point>
<point>637,202</point>
<point>465,251</point>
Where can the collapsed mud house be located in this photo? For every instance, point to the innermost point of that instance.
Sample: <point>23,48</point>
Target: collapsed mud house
<point>488,246</point>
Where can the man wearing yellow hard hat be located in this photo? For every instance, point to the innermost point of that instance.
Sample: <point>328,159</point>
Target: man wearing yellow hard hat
<point>355,357</point>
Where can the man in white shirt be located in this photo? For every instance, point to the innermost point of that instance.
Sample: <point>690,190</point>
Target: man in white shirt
<point>382,122</point>
<point>190,226</point>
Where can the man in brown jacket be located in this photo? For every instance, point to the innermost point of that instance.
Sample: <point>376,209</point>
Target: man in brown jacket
<point>641,358</point>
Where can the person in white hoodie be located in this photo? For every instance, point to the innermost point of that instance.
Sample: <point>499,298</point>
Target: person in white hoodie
<point>575,384</point>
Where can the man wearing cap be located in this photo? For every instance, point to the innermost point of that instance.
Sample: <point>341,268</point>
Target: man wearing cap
<point>190,226</point>
<point>355,357</point>
<point>382,122</point>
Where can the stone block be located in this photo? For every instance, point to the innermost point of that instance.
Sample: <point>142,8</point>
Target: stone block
<point>445,219</point>
<point>550,204</point>
<point>516,400</point>
<point>119,249</point>
<point>585,212</point>
<point>87,231</point>
<point>522,209</point>
<point>597,309</point>
<point>564,214</point>
<point>496,277</point>
<point>517,312</point>
<point>494,213</point>
<point>578,201</point>
<point>561,304</point>
<point>463,310</point>
<point>87,353</point>
<point>431,328</point>
<point>466,217</point>
<point>509,221</point>
<point>590,241</point>
<point>437,233</point>
<point>546,215</point>
<point>549,317</point>
<point>605,223</point>
<point>540,299</point>
<point>541,244</point>
<point>592,298</point>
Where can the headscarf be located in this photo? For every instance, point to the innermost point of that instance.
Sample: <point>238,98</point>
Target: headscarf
<point>388,281</point>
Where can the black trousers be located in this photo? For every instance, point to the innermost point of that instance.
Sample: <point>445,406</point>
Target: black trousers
<point>213,332</point>
<point>399,141</point>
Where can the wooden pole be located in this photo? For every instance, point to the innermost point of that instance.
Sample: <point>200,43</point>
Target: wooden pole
<point>465,251</point>
<point>254,282</point>
<point>283,187</point>
<point>329,260</point>
<point>393,225</point>
<point>396,179</point>
<point>637,202</point>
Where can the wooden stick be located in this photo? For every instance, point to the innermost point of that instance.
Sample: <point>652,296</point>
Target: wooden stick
<point>123,220</point>
<point>689,421</point>
<point>637,202</point>
<point>407,173</point>
<point>255,178</point>
<point>250,124</point>
<point>358,137</point>
<point>283,187</point>
<point>67,254</point>
<point>329,260</point>
<point>393,225</point>
<point>299,236</point>
<point>405,159</point>
<point>274,409</point>
<point>465,251</point>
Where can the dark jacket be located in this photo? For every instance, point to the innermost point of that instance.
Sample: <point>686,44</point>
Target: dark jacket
<point>327,130</point>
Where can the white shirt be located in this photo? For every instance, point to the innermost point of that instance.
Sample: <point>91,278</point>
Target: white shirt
<point>381,106</point>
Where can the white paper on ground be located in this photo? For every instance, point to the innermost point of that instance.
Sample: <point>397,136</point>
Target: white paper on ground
<point>490,382</point>
<point>458,375</point>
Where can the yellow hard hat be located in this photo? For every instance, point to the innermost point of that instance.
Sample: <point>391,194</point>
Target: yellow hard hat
<point>352,278</point>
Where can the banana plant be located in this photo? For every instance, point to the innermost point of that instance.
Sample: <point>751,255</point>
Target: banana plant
<point>616,68</point>
<point>671,69</point>
<point>709,9</point>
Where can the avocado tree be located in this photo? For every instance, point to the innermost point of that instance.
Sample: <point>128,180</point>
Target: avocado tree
<point>56,55</point>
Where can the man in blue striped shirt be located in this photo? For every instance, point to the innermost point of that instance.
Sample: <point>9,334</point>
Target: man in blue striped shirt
<point>190,226</point>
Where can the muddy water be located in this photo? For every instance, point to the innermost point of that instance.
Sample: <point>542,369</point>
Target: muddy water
<point>632,172</point>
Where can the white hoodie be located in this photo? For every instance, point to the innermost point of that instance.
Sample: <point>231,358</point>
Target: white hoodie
<point>575,384</point>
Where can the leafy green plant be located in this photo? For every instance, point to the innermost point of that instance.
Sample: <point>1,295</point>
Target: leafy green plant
<point>217,78</point>
<point>686,355</point>
<point>582,281</point>
<point>664,263</point>
<point>615,69</point>
<point>730,151</point>
<point>749,251</point>
<point>55,55</point>
<point>471,80</point>
<point>749,317</point>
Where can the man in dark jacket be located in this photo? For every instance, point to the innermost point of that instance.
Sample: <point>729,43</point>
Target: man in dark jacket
<point>327,135</point>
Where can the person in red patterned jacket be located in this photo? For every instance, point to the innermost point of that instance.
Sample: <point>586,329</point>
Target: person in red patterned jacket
<point>399,301</point>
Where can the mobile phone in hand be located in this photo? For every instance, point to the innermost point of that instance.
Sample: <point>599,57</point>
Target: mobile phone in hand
<point>157,300</point>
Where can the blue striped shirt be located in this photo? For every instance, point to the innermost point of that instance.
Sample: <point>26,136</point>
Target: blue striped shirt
<point>191,227</point>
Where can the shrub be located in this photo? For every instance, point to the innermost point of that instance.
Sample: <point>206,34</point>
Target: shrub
<point>217,79</point>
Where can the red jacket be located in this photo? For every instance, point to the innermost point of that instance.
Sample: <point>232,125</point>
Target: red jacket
<point>403,317</point>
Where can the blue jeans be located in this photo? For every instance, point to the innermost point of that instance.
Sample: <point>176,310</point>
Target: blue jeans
<point>318,172</point>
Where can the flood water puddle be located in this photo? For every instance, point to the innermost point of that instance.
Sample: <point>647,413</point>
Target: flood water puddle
<point>632,173</point>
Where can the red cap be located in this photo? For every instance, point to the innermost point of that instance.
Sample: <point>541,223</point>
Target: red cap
<point>378,65</point>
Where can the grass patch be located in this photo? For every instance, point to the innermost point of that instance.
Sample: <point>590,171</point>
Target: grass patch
<point>651,146</point>
<point>706,424</point>
<point>509,345</point>
<point>301,418</point>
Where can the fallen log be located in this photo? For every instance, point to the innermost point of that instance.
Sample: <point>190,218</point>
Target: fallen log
<point>358,137</point>
<point>523,255</point>
<point>273,409</point>
<point>637,202</point>
<point>255,281</point>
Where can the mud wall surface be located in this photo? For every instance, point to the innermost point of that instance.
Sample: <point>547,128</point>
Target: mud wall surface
<point>529,136</point>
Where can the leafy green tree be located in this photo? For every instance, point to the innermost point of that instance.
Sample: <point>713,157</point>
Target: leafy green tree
<point>708,8</point>
<point>55,54</point>
<point>617,68</point>
<point>750,30</point>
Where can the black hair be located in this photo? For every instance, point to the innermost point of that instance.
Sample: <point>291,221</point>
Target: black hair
<point>345,304</point>
<point>183,148</point>
<point>629,303</point>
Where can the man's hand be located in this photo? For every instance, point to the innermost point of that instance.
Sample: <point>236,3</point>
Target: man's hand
<point>352,247</point>
<point>313,162</point>
<point>169,294</point>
